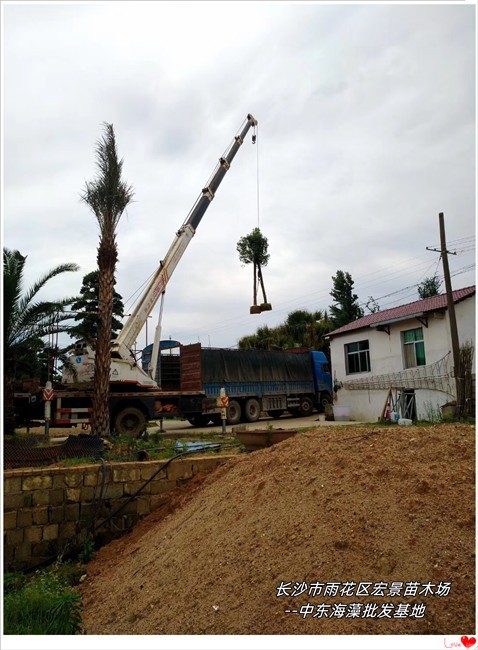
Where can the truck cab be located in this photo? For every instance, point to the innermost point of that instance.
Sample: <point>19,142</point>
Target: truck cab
<point>322,378</point>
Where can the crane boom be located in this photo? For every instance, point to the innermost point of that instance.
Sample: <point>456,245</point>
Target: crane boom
<point>132,328</point>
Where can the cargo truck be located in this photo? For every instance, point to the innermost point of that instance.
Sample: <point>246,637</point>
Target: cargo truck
<point>255,382</point>
<point>190,383</point>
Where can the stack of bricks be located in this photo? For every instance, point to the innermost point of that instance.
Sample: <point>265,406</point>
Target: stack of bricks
<point>48,511</point>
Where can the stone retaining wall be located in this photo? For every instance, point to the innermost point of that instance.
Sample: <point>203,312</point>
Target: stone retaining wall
<point>49,511</point>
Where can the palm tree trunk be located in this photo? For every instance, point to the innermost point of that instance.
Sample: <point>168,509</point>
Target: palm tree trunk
<point>9,401</point>
<point>107,256</point>
<point>107,196</point>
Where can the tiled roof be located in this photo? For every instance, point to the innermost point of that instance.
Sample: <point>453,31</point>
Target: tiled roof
<point>416,308</point>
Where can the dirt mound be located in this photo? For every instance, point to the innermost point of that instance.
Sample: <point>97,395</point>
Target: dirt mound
<point>350,531</point>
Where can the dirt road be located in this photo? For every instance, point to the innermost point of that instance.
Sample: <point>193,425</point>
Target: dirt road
<point>284,422</point>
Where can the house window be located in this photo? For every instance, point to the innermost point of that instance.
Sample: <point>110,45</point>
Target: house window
<point>413,348</point>
<point>357,357</point>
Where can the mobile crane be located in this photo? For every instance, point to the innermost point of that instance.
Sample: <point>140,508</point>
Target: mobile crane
<point>135,396</point>
<point>124,367</point>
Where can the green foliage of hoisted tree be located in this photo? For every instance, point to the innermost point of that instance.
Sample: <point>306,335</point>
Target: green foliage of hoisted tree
<point>252,249</point>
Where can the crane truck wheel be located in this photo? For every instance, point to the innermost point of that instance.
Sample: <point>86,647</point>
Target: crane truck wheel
<point>233,412</point>
<point>252,410</point>
<point>130,422</point>
<point>306,406</point>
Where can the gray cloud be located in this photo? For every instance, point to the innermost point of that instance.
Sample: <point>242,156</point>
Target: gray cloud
<point>366,131</point>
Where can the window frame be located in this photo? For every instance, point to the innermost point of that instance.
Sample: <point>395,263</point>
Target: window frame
<point>360,357</point>
<point>410,348</point>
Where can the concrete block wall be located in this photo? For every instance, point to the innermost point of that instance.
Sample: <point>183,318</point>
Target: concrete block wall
<point>49,511</point>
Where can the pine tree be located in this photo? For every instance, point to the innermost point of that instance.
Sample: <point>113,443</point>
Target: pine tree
<point>87,307</point>
<point>346,307</point>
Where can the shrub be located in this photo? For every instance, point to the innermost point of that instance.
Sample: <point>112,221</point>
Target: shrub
<point>42,604</point>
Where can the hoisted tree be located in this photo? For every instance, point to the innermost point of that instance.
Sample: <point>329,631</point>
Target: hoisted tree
<point>252,249</point>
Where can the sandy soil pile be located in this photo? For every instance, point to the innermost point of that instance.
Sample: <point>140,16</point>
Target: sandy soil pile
<point>387,513</point>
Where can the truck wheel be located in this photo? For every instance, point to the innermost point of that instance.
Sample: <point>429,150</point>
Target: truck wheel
<point>276,413</point>
<point>306,407</point>
<point>130,422</point>
<point>233,412</point>
<point>252,410</point>
<point>325,398</point>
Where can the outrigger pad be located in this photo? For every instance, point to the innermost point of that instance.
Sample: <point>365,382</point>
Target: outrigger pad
<point>265,306</point>
<point>255,309</point>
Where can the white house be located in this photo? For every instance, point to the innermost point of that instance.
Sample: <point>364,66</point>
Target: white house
<point>399,360</point>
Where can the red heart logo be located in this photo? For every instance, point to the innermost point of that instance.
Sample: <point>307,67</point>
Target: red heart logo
<point>468,641</point>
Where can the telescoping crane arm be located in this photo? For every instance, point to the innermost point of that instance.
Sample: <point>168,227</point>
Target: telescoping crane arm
<point>132,328</point>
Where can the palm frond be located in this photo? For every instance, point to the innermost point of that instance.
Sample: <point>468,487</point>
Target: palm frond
<point>13,264</point>
<point>107,195</point>
<point>27,322</point>
<point>39,284</point>
<point>42,318</point>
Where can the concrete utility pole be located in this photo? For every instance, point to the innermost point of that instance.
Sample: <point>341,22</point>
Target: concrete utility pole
<point>455,344</point>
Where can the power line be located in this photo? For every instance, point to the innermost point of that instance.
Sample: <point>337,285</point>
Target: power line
<point>392,273</point>
<point>410,290</point>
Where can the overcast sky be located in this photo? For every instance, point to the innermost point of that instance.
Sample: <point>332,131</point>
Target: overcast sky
<point>366,132</point>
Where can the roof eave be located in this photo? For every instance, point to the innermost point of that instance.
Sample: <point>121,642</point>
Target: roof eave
<point>421,314</point>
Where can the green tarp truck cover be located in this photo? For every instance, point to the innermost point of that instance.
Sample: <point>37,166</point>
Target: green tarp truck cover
<point>223,365</point>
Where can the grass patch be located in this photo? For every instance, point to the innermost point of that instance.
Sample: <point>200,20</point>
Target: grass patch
<point>159,447</point>
<point>44,603</point>
<point>80,460</point>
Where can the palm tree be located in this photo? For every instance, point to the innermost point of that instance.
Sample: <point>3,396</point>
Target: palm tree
<point>26,322</point>
<point>107,196</point>
<point>302,328</point>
